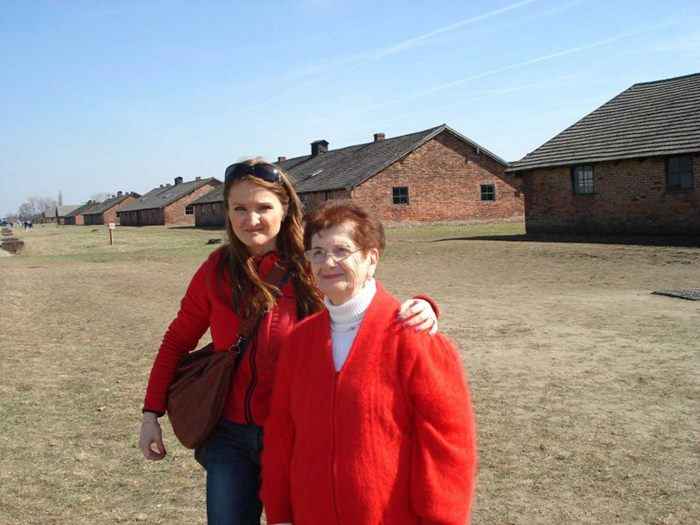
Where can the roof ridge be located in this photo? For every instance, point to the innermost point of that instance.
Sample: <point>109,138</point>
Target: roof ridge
<point>665,79</point>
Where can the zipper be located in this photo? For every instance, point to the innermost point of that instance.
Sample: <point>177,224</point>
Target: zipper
<point>334,469</point>
<point>251,385</point>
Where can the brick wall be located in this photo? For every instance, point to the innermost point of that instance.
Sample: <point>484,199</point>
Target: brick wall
<point>210,214</point>
<point>444,178</point>
<point>629,196</point>
<point>111,214</point>
<point>175,212</point>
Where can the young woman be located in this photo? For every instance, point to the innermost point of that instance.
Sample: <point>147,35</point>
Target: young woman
<point>264,227</point>
<point>370,423</point>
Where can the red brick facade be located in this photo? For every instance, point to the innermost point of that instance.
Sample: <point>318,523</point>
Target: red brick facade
<point>175,212</point>
<point>444,178</point>
<point>172,215</point>
<point>109,215</point>
<point>629,196</point>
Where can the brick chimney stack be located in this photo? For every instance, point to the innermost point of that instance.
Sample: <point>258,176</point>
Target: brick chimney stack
<point>178,180</point>
<point>119,194</point>
<point>378,137</point>
<point>281,159</point>
<point>318,147</point>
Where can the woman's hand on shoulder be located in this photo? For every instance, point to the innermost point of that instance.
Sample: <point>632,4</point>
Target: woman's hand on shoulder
<point>419,314</point>
<point>151,438</point>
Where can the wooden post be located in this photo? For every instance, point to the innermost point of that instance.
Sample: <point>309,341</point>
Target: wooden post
<point>111,227</point>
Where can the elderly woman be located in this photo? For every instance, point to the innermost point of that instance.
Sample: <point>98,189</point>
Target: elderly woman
<point>371,422</point>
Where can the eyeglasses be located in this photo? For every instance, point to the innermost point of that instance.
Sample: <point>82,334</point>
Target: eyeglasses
<point>337,254</point>
<point>263,171</point>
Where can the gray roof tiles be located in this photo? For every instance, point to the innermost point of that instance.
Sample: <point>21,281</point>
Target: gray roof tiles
<point>101,207</point>
<point>161,197</point>
<point>215,195</point>
<point>82,208</point>
<point>648,119</point>
<point>350,166</point>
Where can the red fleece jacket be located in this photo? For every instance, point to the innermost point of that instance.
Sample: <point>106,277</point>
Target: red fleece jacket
<point>390,439</point>
<point>207,305</point>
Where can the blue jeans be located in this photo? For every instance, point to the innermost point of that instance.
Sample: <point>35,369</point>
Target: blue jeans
<point>231,457</point>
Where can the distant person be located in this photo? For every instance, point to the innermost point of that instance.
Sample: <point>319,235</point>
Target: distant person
<point>264,227</point>
<point>370,423</point>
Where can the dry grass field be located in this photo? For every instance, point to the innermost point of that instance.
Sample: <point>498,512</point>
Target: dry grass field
<point>586,386</point>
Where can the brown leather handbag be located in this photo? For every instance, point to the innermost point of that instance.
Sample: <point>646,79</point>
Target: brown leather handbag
<point>200,388</point>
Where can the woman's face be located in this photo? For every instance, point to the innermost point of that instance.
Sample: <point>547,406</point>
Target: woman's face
<point>256,216</point>
<point>341,280</point>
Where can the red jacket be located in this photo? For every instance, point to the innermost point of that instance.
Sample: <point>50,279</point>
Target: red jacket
<point>389,439</point>
<point>207,305</point>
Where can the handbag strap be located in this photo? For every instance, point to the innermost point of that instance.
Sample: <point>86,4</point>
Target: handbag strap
<point>277,276</point>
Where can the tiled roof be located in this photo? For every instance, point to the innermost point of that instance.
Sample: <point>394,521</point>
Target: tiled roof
<point>350,166</point>
<point>215,195</point>
<point>648,119</point>
<point>80,209</point>
<point>163,196</point>
<point>101,207</point>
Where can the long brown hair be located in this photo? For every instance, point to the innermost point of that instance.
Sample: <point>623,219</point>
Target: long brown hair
<point>252,296</point>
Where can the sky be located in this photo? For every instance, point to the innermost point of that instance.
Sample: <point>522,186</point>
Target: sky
<point>98,97</point>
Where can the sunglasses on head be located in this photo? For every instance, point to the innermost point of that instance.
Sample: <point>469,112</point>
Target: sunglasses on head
<point>262,171</point>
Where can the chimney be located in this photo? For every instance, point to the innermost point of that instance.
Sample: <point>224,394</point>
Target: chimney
<point>198,178</point>
<point>378,137</point>
<point>318,147</point>
<point>178,180</point>
<point>281,159</point>
<point>119,194</point>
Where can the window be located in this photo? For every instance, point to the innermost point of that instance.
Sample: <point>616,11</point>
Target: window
<point>488,192</point>
<point>399,194</point>
<point>679,173</point>
<point>583,180</point>
<point>327,195</point>
<point>189,210</point>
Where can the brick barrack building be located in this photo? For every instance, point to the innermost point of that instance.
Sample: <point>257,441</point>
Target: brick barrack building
<point>630,166</point>
<point>106,211</point>
<point>75,217</point>
<point>168,204</point>
<point>432,175</point>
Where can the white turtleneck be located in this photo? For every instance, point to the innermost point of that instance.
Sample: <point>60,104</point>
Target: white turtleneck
<point>346,319</point>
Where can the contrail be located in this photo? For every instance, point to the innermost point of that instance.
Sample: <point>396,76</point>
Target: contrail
<point>412,42</point>
<point>510,67</point>
<point>379,53</point>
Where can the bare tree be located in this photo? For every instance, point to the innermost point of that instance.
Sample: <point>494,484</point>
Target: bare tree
<point>35,206</point>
